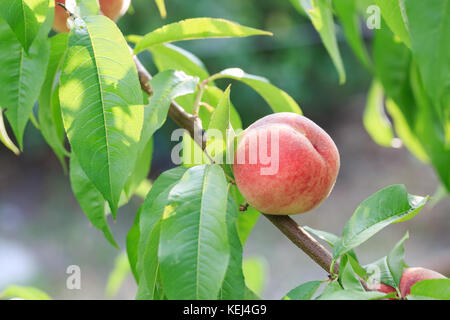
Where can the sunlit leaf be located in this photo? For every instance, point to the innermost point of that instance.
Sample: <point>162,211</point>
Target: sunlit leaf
<point>196,28</point>
<point>375,120</point>
<point>101,104</point>
<point>161,8</point>
<point>169,56</point>
<point>25,17</point>
<point>255,273</point>
<point>22,76</point>
<point>25,293</point>
<point>393,12</point>
<point>277,99</point>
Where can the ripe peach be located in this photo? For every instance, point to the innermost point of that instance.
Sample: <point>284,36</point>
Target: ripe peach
<point>381,287</point>
<point>384,288</point>
<point>61,16</point>
<point>411,276</point>
<point>113,9</point>
<point>285,164</point>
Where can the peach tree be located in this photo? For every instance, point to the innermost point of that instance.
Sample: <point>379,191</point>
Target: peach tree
<point>98,108</point>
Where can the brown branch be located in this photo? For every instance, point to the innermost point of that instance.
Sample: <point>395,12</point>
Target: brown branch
<point>190,122</point>
<point>304,241</point>
<point>285,224</point>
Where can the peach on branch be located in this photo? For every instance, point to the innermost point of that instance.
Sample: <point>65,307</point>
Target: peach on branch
<point>411,276</point>
<point>113,9</point>
<point>285,164</point>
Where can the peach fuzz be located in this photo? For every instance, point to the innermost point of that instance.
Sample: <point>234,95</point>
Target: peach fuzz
<point>308,164</point>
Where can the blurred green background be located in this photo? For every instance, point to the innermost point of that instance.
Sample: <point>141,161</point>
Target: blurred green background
<point>43,230</point>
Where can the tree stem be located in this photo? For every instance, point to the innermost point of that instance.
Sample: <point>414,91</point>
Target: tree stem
<point>302,239</point>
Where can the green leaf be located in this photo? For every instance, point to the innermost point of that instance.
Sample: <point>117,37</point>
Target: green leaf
<point>194,250</point>
<point>255,273</point>
<point>357,268</point>
<point>132,244</point>
<point>4,137</point>
<point>211,96</point>
<point>87,8</point>
<point>220,119</point>
<point>233,287</point>
<point>192,153</point>
<point>161,8</point>
<point>247,219</point>
<point>26,293</point>
<point>332,286</point>
<point>409,138</point>
<point>250,295</point>
<point>25,17</point>
<point>431,288</point>
<point>392,63</point>
<point>117,275</point>
<point>166,85</point>
<point>389,205</point>
<point>348,277</point>
<point>169,56</point>
<point>334,291</point>
<point>49,115</point>
<point>396,260</point>
<point>330,238</point>
<point>429,129</point>
<point>278,100</point>
<point>393,70</point>
<point>90,199</point>
<point>347,12</point>
<point>140,171</point>
<point>196,28</point>
<point>101,104</point>
<point>21,77</point>
<point>379,271</point>
<point>394,15</point>
<point>301,6</point>
<point>353,295</point>
<point>321,16</point>
<point>218,128</point>
<point>375,120</point>
<point>389,269</point>
<point>149,287</point>
<point>304,291</point>
<point>150,214</point>
<point>429,22</point>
